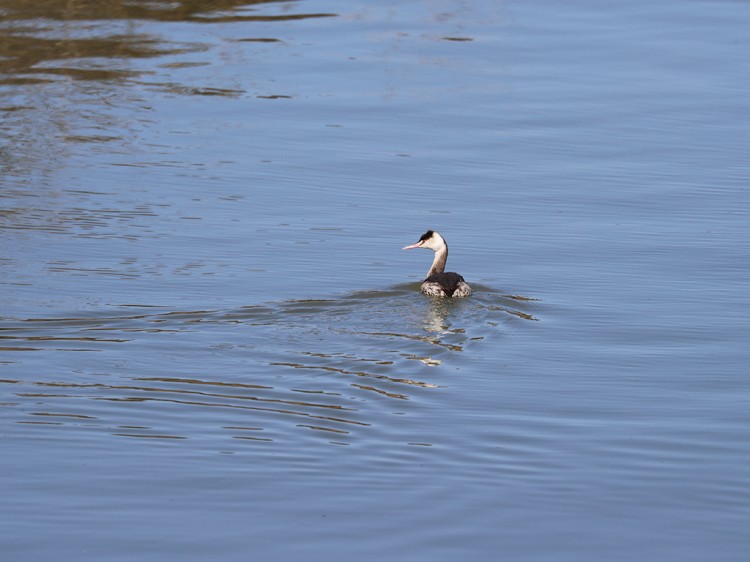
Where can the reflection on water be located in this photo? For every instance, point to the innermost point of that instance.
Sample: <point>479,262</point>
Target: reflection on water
<point>261,366</point>
<point>83,40</point>
<point>63,66</point>
<point>165,163</point>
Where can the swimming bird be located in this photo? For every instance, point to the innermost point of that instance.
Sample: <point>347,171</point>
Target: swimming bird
<point>438,282</point>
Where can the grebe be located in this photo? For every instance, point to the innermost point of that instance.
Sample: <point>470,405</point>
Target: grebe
<point>438,283</point>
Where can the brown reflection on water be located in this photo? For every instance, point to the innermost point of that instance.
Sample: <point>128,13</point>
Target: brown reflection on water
<point>90,40</point>
<point>29,59</point>
<point>185,10</point>
<point>75,71</point>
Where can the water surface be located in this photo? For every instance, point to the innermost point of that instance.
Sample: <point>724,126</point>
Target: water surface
<point>211,345</point>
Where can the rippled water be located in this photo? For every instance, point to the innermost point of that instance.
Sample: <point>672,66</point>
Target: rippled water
<point>323,365</point>
<point>212,347</point>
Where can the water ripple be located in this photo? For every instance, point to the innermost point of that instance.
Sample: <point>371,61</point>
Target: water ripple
<point>333,367</point>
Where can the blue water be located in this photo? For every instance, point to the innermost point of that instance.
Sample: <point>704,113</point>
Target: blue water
<point>212,346</point>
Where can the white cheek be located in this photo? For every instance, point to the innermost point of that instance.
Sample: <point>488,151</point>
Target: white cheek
<point>433,244</point>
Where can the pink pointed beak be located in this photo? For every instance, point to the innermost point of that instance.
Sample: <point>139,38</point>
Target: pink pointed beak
<point>412,246</point>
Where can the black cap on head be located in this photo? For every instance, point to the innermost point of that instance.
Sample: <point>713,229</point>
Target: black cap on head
<point>427,235</point>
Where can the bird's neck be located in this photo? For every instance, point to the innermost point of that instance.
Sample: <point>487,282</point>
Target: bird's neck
<point>438,263</point>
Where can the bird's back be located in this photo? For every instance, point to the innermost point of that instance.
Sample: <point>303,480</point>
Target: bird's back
<point>445,283</point>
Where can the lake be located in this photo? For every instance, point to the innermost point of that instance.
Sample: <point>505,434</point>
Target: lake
<point>213,347</point>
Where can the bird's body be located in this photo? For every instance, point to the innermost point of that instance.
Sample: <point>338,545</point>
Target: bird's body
<point>438,282</point>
